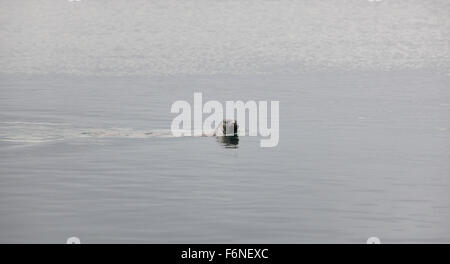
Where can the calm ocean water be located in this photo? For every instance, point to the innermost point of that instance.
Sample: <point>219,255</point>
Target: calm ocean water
<point>85,144</point>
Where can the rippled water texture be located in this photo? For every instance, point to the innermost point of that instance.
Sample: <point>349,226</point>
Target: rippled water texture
<point>86,150</point>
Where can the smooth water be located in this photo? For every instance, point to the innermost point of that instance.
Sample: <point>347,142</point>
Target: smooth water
<point>85,144</point>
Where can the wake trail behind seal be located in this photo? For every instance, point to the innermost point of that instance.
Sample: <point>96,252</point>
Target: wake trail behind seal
<point>40,132</point>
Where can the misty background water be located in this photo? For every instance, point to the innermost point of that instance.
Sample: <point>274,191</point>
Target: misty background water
<point>85,147</point>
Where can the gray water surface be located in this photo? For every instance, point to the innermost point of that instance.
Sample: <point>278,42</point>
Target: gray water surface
<point>359,155</point>
<point>85,144</point>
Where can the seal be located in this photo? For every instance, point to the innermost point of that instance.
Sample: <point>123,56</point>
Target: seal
<point>227,128</point>
<point>227,133</point>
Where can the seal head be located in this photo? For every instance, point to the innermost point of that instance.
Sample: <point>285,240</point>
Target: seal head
<point>227,133</point>
<point>227,128</point>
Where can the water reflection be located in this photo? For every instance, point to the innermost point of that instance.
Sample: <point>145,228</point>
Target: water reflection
<point>228,141</point>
